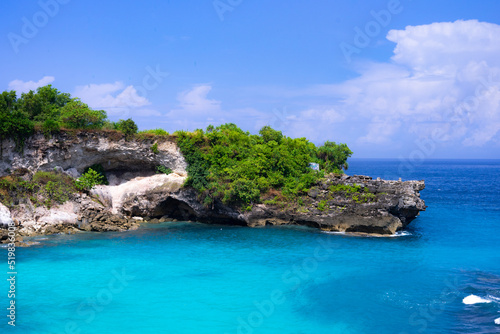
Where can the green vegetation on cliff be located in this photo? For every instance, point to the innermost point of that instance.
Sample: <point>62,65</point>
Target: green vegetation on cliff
<point>238,168</point>
<point>50,110</point>
<point>41,189</point>
<point>225,162</point>
<point>46,188</point>
<point>355,192</point>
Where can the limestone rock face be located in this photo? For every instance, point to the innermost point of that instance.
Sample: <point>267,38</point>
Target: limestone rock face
<point>129,165</point>
<point>392,206</point>
<point>133,196</point>
<point>5,216</point>
<point>74,152</point>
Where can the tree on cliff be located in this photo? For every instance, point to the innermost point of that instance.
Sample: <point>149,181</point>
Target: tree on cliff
<point>13,123</point>
<point>127,127</point>
<point>77,115</point>
<point>236,167</point>
<point>43,104</point>
<point>333,156</point>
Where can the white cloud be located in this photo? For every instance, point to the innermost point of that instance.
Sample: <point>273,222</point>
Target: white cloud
<point>379,132</point>
<point>25,86</point>
<point>195,100</point>
<point>442,75</point>
<point>196,110</point>
<point>145,112</point>
<point>322,114</point>
<point>115,98</point>
<point>446,46</point>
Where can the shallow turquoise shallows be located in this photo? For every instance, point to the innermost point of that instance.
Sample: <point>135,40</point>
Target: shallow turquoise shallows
<point>195,278</point>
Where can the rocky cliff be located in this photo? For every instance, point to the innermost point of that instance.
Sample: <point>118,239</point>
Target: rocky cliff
<point>391,206</point>
<point>74,151</point>
<point>135,193</point>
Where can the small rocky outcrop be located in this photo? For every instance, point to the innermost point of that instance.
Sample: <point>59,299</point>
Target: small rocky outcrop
<point>100,220</point>
<point>6,239</point>
<point>81,213</point>
<point>90,217</point>
<point>379,207</point>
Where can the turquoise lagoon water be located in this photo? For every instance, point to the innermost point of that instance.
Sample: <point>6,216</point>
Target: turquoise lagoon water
<point>195,278</point>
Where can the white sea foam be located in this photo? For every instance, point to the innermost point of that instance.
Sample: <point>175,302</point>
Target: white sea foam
<point>495,299</point>
<point>333,232</point>
<point>497,321</point>
<point>401,234</point>
<point>360,234</point>
<point>473,299</point>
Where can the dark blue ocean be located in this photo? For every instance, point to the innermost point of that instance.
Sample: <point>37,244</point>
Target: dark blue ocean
<point>194,278</point>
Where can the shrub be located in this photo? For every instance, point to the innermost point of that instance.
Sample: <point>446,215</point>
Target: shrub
<point>322,205</point>
<point>16,126</point>
<point>110,125</point>
<point>88,180</point>
<point>77,115</point>
<point>162,169</point>
<point>50,126</point>
<point>267,133</point>
<point>154,148</point>
<point>127,127</point>
<point>156,132</point>
<point>355,192</point>
<point>100,170</point>
<point>44,188</point>
<point>333,157</point>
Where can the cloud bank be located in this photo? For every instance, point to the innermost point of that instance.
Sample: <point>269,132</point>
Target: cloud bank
<point>25,86</point>
<point>442,76</point>
<point>116,98</point>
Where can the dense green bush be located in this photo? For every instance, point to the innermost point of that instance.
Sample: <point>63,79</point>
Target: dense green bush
<point>238,168</point>
<point>13,123</point>
<point>77,115</point>
<point>127,127</point>
<point>43,104</point>
<point>100,170</point>
<point>108,125</point>
<point>47,108</point>
<point>333,156</point>
<point>50,126</point>
<point>88,180</point>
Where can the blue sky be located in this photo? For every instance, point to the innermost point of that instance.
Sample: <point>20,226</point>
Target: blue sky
<point>392,79</point>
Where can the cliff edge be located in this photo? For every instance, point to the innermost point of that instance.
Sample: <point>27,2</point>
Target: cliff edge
<point>136,192</point>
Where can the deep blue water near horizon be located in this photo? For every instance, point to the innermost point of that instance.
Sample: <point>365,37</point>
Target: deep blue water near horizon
<point>195,278</point>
